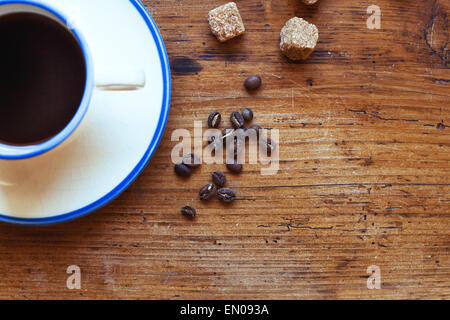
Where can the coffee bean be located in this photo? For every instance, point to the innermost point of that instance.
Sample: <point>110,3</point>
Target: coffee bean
<point>269,145</point>
<point>189,212</point>
<point>214,120</point>
<point>247,114</point>
<point>219,178</point>
<point>256,128</point>
<point>235,167</point>
<point>207,191</point>
<point>253,82</point>
<point>226,195</point>
<point>182,170</point>
<point>237,120</point>
<point>191,160</point>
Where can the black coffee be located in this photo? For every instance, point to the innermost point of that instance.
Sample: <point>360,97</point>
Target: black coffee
<point>42,78</point>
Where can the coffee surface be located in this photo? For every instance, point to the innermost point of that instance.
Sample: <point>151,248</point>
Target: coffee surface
<point>42,78</point>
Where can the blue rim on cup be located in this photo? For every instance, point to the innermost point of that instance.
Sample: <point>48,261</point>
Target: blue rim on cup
<point>11,152</point>
<point>150,150</point>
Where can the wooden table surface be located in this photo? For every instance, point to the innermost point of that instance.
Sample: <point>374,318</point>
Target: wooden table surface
<point>363,180</point>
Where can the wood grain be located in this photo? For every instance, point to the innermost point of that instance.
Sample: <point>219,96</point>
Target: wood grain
<point>364,171</point>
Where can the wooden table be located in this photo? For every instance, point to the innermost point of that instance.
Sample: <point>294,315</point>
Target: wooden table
<point>363,180</point>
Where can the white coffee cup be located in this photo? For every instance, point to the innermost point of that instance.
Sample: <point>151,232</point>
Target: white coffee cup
<point>112,78</point>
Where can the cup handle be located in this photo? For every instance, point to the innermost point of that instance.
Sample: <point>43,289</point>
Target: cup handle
<point>120,78</point>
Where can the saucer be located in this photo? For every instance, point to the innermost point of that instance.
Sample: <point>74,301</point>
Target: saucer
<point>119,134</point>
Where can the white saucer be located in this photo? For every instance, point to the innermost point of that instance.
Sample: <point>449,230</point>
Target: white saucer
<point>119,134</point>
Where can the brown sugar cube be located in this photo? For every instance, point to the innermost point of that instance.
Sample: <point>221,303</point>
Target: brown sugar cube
<point>226,22</point>
<point>298,39</point>
<point>309,2</point>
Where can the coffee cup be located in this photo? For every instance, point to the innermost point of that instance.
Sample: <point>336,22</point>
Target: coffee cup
<point>48,78</point>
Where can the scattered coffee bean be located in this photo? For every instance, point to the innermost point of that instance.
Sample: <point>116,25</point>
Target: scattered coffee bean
<point>256,128</point>
<point>219,178</point>
<point>189,212</point>
<point>253,83</point>
<point>237,120</point>
<point>207,191</point>
<point>214,120</point>
<point>269,145</point>
<point>182,170</point>
<point>238,135</point>
<point>191,160</point>
<point>247,114</point>
<point>226,195</point>
<point>235,167</point>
